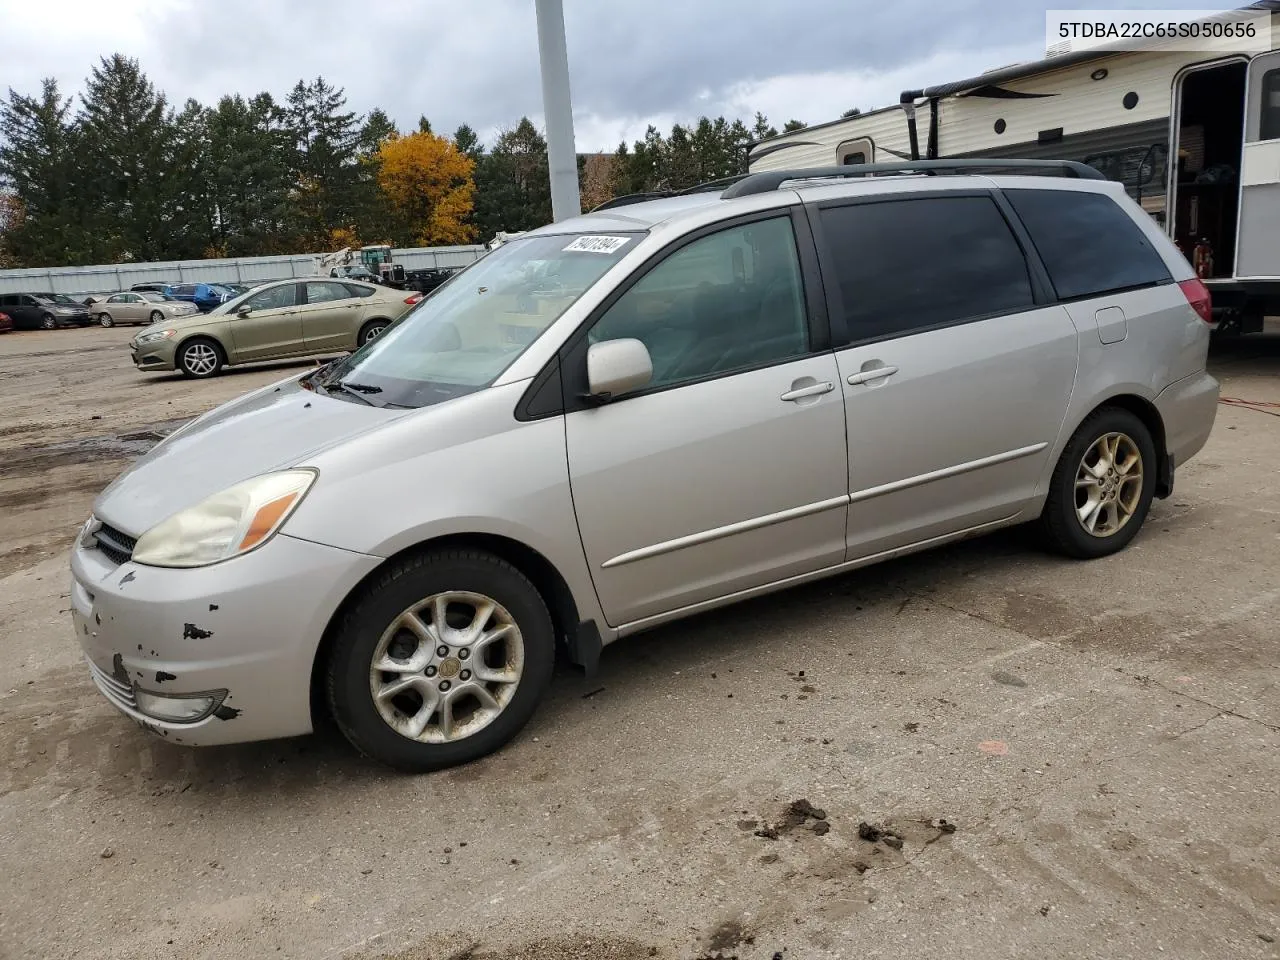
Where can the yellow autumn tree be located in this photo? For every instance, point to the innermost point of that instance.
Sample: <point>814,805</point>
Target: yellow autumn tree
<point>429,185</point>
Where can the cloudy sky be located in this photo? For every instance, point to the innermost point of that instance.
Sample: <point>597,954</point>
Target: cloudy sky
<point>476,61</point>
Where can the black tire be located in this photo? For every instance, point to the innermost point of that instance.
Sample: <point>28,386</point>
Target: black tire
<point>1062,527</point>
<point>106,320</point>
<point>190,358</point>
<point>403,584</point>
<point>371,331</point>
<point>157,317</point>
<point>48,322</point>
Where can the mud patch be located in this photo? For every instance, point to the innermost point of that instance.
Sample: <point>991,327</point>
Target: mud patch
<point>798,815</point>
<point>583,947</point>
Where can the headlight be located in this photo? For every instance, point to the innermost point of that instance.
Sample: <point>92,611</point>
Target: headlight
<point>227,524</point>
<point>158,335</point>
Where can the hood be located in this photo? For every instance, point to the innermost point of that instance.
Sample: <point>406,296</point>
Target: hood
<point>274,428</point>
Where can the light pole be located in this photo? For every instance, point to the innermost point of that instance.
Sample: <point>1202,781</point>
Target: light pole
<point>562,157</point>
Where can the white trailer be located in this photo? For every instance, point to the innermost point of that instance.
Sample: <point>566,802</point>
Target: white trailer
<point>1194,137</point>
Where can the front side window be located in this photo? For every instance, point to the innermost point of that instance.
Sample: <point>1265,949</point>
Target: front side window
<point>119,298</point>
<point>285,295</point>
<point>905,265</point>
<point>725,302</point>
<point>1088,244</point>
<point>324,292</point>
<point>464,336</point>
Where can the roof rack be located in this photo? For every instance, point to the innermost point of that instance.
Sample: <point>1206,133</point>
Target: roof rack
<point>707,187</point>
<point>773,179</point>
<point>631,198</point>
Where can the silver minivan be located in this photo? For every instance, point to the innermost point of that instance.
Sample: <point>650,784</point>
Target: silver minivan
<point>636,415</point>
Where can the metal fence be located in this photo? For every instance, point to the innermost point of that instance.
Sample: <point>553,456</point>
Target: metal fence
<point>121,276</point>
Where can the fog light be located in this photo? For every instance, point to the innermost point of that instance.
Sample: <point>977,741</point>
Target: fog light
<point>178,708</point>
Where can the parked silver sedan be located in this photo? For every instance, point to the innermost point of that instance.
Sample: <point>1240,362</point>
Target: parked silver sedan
<point>637,415</point>
<point>142,307</point>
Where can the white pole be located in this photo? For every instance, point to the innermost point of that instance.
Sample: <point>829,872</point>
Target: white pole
<point>558,109</point>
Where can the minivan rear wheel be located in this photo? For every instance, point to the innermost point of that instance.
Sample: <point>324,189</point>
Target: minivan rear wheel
<point>442,660</point>
<point>1102,486</point>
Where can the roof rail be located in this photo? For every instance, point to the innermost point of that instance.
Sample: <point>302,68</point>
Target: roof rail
<point>631,198</point>
<point>773,179</point>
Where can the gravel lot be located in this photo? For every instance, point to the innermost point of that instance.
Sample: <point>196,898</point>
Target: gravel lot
<point>1103,738</point>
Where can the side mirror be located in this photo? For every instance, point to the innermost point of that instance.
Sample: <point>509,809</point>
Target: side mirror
<point>615,367</point>
<point>243,310</point>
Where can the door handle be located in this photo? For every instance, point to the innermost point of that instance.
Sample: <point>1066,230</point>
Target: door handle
<point>813,390</point>
<point>872,375</point>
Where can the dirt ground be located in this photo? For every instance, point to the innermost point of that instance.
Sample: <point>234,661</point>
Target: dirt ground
<point>1010,754</point>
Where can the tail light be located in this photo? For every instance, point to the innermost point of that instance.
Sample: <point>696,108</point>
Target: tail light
<point>1197,295</point>
<point>413,298</point>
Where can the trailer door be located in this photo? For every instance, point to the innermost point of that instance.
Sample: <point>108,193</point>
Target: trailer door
<point>1259,240</point>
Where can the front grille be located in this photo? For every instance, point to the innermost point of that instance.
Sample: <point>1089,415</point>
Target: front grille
<point>115,545</point>
<point>117,689</point>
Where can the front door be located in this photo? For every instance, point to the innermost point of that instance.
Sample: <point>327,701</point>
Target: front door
<point>728,471</point>
<point>272,327</point>
<point>135,308</point>
<point>955,379</point>
<point>330,316</point>
<point>1259,246</point>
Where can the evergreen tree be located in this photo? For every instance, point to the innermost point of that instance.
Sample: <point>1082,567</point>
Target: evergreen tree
<point>325,141</point>
<point>468,141</point>
<point>38,165</point>
<point>189,213</point>
<point>513,189</point>
<point>249,177</point>
<point>126,133</point>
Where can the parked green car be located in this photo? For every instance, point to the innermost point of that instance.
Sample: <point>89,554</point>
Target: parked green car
<point>287,318</point>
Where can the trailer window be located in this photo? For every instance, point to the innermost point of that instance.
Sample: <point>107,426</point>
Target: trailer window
<point>1088,244</point>
<point>1270,129</point>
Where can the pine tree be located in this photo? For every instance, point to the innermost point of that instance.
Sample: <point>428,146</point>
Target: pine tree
<point>513,190</point>
<point>249,177</point>
<point>323,160</point>
<point>126,131</point>
<point>38,164</point>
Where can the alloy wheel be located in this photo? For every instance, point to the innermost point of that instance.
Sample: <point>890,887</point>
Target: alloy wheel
<point>106,320</point>
<point>200,359</point>
<point>1108,484</point>
<point>446,667</point>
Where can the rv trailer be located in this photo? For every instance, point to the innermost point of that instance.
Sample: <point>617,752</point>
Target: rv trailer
<point>1194,137</point>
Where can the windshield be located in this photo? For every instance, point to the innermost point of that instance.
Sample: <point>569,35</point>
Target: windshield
<point>57,298</point>
<point>471,329</point>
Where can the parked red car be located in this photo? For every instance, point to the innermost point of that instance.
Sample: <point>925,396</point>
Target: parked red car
<point>6,323</point>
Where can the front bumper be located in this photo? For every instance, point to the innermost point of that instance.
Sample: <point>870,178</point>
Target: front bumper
<point>158,355</point>
<point>248,626</point>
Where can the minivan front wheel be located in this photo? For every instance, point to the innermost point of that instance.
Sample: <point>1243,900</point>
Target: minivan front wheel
<point>1103,485</point>
<point>441,661</point>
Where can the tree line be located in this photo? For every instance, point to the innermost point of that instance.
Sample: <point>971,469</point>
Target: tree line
<point>127,176</point>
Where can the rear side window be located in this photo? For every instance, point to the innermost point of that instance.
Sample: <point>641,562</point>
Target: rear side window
<point>359,291</point>
<point>904,265</point>
<point>1088,244</point>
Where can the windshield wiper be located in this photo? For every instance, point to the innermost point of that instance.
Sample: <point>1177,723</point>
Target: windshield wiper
<point>354,391</point>
<point>362,387</point>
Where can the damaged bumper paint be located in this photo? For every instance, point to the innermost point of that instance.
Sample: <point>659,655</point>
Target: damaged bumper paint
<point>228,647</point>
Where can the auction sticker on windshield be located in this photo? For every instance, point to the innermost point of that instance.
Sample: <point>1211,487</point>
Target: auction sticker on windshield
<point>597,244</point>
